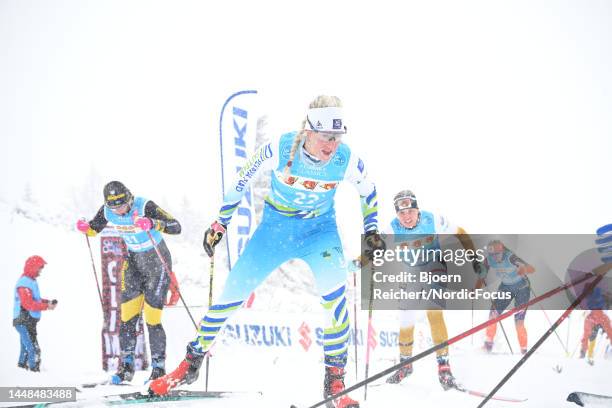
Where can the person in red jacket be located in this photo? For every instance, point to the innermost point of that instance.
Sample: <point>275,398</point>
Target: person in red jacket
<point>27,311</point>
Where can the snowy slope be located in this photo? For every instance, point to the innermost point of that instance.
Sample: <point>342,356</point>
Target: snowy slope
<point>70,337</point>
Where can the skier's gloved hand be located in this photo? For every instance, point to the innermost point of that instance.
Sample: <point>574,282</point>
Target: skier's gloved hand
<point>523,270</point>
<point>373,242</point>
<point>478,268</point>
<point>212,237</point>
<point>83,226</point>
<point>143,223</point>
<point>355,264</point>
<point>51,304</point>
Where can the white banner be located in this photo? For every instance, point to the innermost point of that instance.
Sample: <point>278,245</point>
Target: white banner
<point>237,132</point>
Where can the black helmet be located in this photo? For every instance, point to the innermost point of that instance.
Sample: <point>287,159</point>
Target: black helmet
<point>405,199</point>
<point>116,194</point>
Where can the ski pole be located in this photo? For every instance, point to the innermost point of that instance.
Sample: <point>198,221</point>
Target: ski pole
<point>452,340</point>
<point>575,349</point>
<point>472,338</point>
<point>567,338</point>
<point>93,266</point>
<point>548,319</point>
<point>168,273</point>
<point>506,337</point>
<point>355,323</point>
<point>502,329</point>
<point>542,339</point>
<point>210,296</point>
<point>370,331</point>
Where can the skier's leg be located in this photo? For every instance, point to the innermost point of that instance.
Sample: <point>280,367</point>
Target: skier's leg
<point>439,334</point>
<point>490,331</point>
<point>406,334</point>
<point>325,258</point>
<point>497,307</point>
<point>132,299</point>
<point>604,322</point>
<point>407,320</point>
<point>521,331</point>
<point>586,334</point>
<point>592,343</point>
<point>156,287</point>
<point>522,297</point>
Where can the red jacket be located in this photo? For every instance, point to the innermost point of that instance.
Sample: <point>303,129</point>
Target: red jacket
<point>31,269</point>
<point>29,304</point>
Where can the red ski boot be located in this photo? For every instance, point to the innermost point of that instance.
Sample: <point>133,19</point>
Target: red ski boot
<point>333,384</point>
<point>186,373</point>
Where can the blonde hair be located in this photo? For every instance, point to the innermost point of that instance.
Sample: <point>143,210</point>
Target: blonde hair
<point>321,101</point>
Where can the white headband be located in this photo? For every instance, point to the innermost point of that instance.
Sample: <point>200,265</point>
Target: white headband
<point>330,119</point>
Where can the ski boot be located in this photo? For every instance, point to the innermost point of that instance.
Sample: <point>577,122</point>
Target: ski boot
<point>590,361</point>
<point>125,371</point>
<point>582,353</point>
<point>332,385</point>
<point>23,365</point>
<point>447,380</point>
<point>159,369</point>
<point>186,373</point>
<point>400,374</point>
<point>488,346</point>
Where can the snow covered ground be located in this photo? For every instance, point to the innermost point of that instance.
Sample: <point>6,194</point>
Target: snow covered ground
<point>285,373</point>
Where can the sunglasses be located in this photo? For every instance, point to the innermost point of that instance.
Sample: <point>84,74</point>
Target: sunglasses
<point>405,204</point>
<point>495,248</point>
<point>120,208</point>
<point>328,136</point>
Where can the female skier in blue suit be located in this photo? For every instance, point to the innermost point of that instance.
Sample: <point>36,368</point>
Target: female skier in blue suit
<point>299,222</point>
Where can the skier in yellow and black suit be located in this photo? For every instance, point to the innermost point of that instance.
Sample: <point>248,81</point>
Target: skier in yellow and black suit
<point>144,282</point>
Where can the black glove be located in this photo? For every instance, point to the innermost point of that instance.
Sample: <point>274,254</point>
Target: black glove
<point>212,236</point>
<point>478,268</point>
<point>54,302</point>
<point>373,242</point>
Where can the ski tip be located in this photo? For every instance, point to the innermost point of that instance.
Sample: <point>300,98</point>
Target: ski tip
<point>575,398</point>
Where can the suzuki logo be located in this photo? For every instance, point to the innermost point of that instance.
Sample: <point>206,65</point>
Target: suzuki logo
<point>305,339</point>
